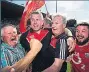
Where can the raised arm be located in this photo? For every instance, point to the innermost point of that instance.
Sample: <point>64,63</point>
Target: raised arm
<point>68,32</point>
<point>56,66</point>
<point>23,63</point>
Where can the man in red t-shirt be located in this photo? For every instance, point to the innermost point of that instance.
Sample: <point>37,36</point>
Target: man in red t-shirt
<point>80,59</point>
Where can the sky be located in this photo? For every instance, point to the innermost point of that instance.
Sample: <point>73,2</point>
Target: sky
<point>78,10</point>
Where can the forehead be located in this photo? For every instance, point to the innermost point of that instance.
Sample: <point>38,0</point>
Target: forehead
<point>82,27</point>
<point>57,18</point>
<point>9,28</point>
<point>35,16</point>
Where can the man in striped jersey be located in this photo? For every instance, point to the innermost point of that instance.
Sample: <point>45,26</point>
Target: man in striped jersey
<point>59,45</point>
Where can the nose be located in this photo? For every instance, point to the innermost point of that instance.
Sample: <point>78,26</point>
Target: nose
<point>79,33</point>
<point>14,34</point>
<point>35,22</point>
<point>53,25</point>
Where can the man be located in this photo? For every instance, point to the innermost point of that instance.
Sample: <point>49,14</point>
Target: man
<point>45,57</point>
<point>80,59</point>
<point>59,45</point>
<point>10,46</point>
<point>12,53</point>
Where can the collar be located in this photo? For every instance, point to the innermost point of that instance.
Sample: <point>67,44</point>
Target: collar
<point>61,36</point>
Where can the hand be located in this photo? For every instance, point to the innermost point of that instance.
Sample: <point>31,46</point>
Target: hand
<point>71,43</point>
<point>8,69</point>
<point>12,70</point>
<point>69,58</point>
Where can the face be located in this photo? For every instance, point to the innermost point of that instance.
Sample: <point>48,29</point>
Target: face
<point>36,22</point>
<point>57,26</point>
<point>10,36</point>
<point>82,35</point>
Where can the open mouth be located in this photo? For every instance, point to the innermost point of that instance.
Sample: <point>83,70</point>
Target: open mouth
<point>13,39</point>
<point>54,29</point>
<point>80,37</point>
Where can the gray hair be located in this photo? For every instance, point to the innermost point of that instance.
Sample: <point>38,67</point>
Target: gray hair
<point>64,21</point>
<point>7,25</point>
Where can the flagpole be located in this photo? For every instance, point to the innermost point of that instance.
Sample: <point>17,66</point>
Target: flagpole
<point>46,8</point>
<point>56,6</point>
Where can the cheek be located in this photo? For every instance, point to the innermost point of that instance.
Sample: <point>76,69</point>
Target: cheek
<point>86,35</point>
<point>6,39</point>
<point>31,26</point>
<point>76,34</point>
<point>59,26</point>
<point>40,24</point>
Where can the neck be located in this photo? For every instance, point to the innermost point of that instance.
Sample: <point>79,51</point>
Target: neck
<point>38,31</point>
<point>58,34</point>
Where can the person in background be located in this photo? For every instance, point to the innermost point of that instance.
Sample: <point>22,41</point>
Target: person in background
<point>13,54</point>
<point>18,31</point>
<point>71,25</point>
<point>47,23</point>
<point>45,57</point>
<point>80,58</point>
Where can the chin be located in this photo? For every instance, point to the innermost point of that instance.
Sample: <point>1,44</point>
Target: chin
<point>82,42</point>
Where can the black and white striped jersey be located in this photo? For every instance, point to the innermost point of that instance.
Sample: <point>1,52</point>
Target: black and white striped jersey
<point>59,47</point>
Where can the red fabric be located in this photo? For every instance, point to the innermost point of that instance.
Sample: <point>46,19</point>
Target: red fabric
<point>30,7</point>
<point>53,42</point>
<point>80,61</point>
<point>35,35</point>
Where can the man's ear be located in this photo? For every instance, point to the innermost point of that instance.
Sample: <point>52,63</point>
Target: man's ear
<point>64,25</point>
<point>42,22</point>
<point>1,38</point>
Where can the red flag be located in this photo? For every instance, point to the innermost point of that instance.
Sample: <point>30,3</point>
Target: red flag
<point>30,7</point>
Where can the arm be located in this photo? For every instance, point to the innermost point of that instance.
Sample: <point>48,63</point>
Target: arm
<point>7,69</point>
<point>70,40</point>
<point>35,46</point>
<point>61,52</point>
<point>68,32</point>
<point>56,66</point>
<point>71,43</point>
<point>23,63</point>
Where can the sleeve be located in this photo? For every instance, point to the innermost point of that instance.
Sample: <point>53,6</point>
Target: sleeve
<point>68,32</point>
<point>61,49</point>
<point>72,29</point>
<point>5,59</point>
<point>24,42</point>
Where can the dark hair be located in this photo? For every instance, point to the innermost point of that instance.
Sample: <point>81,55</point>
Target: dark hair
<point>83,24</point>
<point>71,23</point>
